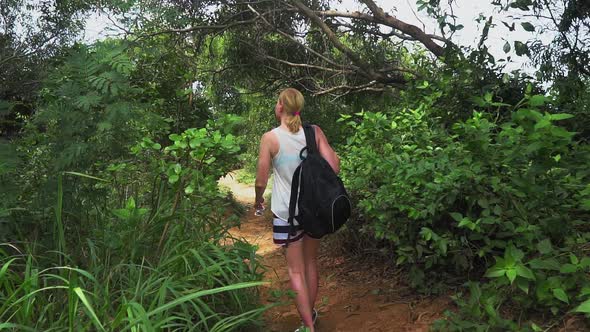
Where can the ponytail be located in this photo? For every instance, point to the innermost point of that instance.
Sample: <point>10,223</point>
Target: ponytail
<point>292,101</point>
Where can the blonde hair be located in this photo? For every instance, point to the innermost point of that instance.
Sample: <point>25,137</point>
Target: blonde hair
<point>292,101</point>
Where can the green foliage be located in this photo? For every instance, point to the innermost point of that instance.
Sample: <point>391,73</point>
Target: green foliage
<point>453,202</point>
<point>121,219</point>
<point>124,272</point>
<point>181,290</point>
<point>90,105</point>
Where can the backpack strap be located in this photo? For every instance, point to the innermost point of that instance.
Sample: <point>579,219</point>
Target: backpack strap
<point>309,131</point>
<point>311,147</point>
<point>293,202</point>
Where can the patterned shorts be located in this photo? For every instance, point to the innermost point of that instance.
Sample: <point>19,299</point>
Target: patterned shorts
<point>280,232</point>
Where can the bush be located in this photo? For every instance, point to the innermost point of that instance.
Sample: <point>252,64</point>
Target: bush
<point>158,262</point>
<point>502,202</point>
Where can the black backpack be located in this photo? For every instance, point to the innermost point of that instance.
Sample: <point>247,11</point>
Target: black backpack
<point>324,205</point>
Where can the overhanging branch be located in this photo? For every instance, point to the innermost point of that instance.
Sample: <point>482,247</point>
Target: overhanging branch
<point>406,28</point>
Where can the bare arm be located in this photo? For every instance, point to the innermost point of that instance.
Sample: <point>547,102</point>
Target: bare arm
<point>326,150</point>
<point>263,169</point>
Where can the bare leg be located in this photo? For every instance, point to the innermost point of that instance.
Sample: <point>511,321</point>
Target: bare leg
<point>310,254</point>
<point>296,265</point>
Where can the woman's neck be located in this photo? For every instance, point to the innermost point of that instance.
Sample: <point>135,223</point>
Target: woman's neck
<point>284,123</point>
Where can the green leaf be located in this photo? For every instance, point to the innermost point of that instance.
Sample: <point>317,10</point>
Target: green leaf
<point>523,285</point>
<point>130,203</point>
<point>511,274</point>
<point>426,233</point>
<point>560,295</point>
<point>527,26</point>
<point>584,292</point>
<point>177,168</point>
<point>537,100</point>
<point>465,222</point>
<point>483,202</point>
<point>542,124</point>
<point>507,47</point>
<point>497,210</point>
<point>545,264</point>
<point>189,189</point>
<point>442,245</point>
<point>568,268</point>
<point>122,213</point>
<point>175,137</point>
<point>524,272</point>
<point>173,178</point>
<point>584,307</point>
<point>574,259</point>
<point>88,306</point>
<point>544,246</point>
<point>195,295</point>
<point>521,48</point>
<point>521,4</point>
<point>457,216</point>
<point>561,116</point>
<point>104,126</point>
<point>495,272</point>
<point>195,142</point>
<point>513,254</point>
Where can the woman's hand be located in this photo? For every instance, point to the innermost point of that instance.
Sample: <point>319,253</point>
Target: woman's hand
<point>259,204</point>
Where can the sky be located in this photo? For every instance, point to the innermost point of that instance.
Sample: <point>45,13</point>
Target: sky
<point>406,10</point>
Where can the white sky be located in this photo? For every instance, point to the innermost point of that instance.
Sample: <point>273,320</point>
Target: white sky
<point>465,10</point>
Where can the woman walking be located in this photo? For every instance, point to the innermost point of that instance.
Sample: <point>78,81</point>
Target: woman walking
<point>280,149</point>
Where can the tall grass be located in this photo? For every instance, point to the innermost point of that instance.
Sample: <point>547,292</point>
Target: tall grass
<point>197,289</point>
<point>108,274</point>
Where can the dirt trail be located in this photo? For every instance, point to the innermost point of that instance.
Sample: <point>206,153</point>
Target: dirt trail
<point>353,295</point>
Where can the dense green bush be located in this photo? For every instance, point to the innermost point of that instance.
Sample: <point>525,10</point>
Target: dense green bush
<point>502,201</point>
<point>114,223</point>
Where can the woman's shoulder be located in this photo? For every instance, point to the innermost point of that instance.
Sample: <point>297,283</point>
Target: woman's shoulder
<point>270,138</point>
<point>319,133</point>
<point>270,135</point>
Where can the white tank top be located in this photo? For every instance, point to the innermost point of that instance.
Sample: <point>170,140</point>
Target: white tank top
<point>283,166</point>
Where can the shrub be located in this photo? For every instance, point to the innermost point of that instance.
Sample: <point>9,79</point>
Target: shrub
<point>502,202</point>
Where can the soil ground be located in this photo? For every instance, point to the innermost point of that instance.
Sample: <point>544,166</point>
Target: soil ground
<point>355,294</point>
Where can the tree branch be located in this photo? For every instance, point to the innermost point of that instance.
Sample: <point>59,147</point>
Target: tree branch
<point>406,28</point>
<point>373,19</point>
<point>309,49</point>
<point>304,65</point>
<point>365,69</point>
<point>371,86</point>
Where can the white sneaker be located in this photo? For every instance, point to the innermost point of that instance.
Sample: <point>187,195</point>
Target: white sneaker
<point>314,318</point>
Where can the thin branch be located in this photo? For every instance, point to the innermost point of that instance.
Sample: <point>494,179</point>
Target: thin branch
<point>206,27</point>
<point>309,49</point>
<point>304,65</point>
<point>365,87</point>
<point>366,70</point>
<point>373,19</point>
<point>409,29</point>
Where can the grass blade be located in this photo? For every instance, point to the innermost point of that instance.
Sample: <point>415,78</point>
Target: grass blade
<point>86,303</point>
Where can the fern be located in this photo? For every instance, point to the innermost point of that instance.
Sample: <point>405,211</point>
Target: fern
<point>86,102</point>
<point>122,64</point>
